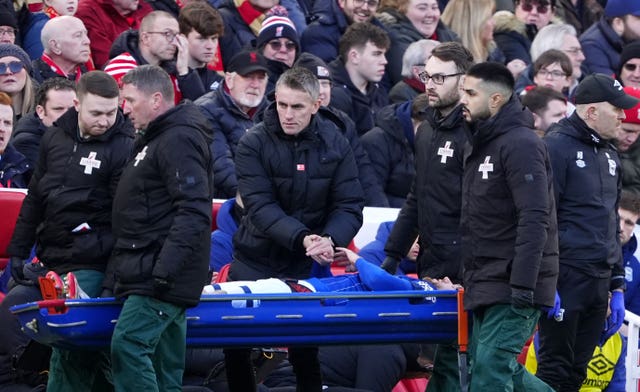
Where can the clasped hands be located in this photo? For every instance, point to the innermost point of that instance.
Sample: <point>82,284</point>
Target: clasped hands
<point>319,248</point>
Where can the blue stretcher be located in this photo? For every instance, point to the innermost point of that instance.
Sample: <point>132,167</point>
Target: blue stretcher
<point>279,319</point>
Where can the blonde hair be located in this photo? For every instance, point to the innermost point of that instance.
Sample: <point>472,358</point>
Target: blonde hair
<point>24,101</point>
<point>467,19</point>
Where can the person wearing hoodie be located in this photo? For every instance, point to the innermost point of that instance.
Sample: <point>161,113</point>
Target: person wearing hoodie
<point>585,164</point>
<point>161,223</point>
<point>629,212</point>
<point>390,146</point>
<point>67,211</point>
<point>509,233</point>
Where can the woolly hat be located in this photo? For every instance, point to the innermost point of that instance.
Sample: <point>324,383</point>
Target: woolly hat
<point>629,51</point>
<point>633,114</point>
<point>617,8</point>
<point>314,64</point>
<point>8,19</point>
<point>17,52</point>
<point>277,25</point>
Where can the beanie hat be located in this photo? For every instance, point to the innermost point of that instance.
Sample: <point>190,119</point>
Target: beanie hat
<point>277,25</point>
<point>629,51</point>
<point>314,64</point>
<point>17,52</point>
<point>8,19</point>
<point>633,114</point>
<point>617,8</point>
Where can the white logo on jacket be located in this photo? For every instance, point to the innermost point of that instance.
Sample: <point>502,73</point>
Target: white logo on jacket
<point>90,162</point>
<point>445,152</point>
<point>140,156</point>
<point>486,167</point>
<point>612,164</point>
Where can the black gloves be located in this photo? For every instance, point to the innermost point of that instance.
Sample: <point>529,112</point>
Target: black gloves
<point>521,298</point>
<point>390,264</point>
<point>17,269</point>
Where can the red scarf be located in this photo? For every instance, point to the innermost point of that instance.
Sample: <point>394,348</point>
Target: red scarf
<point>56,68</point>
<point>51,13</point>
<point>251,16</point>
<point>414,84</point>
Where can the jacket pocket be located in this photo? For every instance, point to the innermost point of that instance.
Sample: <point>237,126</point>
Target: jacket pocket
<point>134,259</point>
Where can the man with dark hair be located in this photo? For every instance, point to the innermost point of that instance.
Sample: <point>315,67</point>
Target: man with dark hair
<point>296,210</point>
<point>587,183</point>
<point>202,26</point>
<point>629,212</point>
<point>161,222</point>
<point>431,211</point>
<point>547,105</point>
<point>67,212</point>
<point>53,98</point>
<point>509,233</point>
<point>357,73</point>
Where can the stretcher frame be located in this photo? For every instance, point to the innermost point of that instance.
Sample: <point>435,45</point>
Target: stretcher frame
<point>280,320</point>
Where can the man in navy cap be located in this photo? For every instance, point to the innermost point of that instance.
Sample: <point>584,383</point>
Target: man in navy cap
<point>587,183</point>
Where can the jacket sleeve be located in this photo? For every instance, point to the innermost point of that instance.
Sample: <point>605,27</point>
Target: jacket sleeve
<point>619,379</point>
<point>375,196</point>
<point>191,85</point>
<point>405,230</point>
<point>185,159</point>
<point>378,150</point>
<point>256,188</point>
<point>526,174</point>
<point>377,279</point>
<point>32,210</point>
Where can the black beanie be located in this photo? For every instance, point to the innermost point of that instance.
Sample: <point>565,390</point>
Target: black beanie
<point>314,64</point>
<point>629,51</point>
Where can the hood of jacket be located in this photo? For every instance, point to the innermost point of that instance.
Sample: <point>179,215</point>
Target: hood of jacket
<point>127,41</point>
<point>511,115</point>
<point>630,247</point>
<point>576,128</point>
<point>69,123</point>
<point>184,115</point>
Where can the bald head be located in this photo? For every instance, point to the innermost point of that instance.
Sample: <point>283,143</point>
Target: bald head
<point>65,40</point>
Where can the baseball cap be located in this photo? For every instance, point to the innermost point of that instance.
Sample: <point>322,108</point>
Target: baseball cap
<point>602,88</point>
<point>247,61</point>
<point>616,8</point>
<point>633,114</point>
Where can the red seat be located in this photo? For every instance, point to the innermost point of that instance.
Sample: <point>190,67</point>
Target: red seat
<point>10,203</point>
<point>215,207</point>
<point>411,385</point>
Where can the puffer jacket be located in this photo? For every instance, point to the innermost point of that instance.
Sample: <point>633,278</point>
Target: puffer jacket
<point>162,211</point>
<point>602,47</point>
<point>73,183</point>
<point>293,186</point>
<point>508,223</point>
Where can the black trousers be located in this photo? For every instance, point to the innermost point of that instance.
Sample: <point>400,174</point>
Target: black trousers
<point>566,347</point>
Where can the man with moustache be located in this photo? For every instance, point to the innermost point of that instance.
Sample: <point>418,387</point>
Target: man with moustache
<point>66,50</point>
<point>231,110</point>
<point>432,209</point>
<point>509,234</point>
<point>587,183</point>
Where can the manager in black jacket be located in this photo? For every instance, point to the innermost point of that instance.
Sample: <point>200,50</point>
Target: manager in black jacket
<point>299,183</point>
<point>587,182</point>
<point>509,231</point>
<point>67,212</point>
<point>162,225</point>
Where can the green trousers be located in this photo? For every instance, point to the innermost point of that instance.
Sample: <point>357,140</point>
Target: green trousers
<point>498,335</point>
<point>81,370</point>
<point>148,346</point>
<point>446,375</point>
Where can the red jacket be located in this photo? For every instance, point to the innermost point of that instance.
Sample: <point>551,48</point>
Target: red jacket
<point>104,24</point>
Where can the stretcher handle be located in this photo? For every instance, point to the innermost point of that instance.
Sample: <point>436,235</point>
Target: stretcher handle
<point>463,323</point>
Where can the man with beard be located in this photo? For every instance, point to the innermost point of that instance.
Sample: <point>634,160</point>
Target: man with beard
<point>231,110</point>
<point>602,43</point>
<point>509,232</point>
<point>432,208</point>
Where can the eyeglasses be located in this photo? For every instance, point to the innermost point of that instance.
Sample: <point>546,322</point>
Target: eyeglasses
<point>276,45</point>
<point>528,7</point>
<point>168,34</point>
<point>436,78</point>
<point>574,51</point>
<point>371,3</point>
<point>8,31</point>
<point>630,67</point>
<point>554,74</point>
<point>13,67</point>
